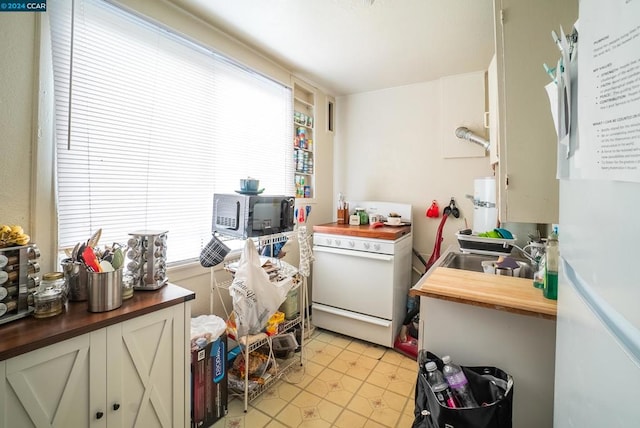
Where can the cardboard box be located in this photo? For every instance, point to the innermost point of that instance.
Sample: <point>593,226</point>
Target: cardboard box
<point>209,393</point>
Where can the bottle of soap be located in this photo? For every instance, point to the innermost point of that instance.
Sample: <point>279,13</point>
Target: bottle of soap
<point>550,290</point>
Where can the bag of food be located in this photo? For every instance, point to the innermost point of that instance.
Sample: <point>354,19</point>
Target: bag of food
<point>255,298</point>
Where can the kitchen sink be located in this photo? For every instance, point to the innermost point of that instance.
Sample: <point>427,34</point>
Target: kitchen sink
<point>474,262</point>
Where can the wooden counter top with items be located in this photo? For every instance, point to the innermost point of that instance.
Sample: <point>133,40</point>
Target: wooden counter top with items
<point>28,334</point>
<point>365,231</point>
<point>502,293</point>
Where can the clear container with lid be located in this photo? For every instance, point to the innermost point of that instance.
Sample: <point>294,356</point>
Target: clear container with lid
<point>56,281</point>
<point>127,286</point>
<point>47,303</point>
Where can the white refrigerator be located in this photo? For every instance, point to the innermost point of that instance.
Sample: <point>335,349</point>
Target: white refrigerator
<point>597,372</point>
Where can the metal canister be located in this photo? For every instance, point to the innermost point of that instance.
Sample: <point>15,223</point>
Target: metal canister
<point>76,275</point>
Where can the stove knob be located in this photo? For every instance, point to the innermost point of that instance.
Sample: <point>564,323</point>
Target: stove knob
<point>376,247</point>
<point>328,241</point>
<point>367,245</point>
<point>352,244</point>
<point>338,242</point>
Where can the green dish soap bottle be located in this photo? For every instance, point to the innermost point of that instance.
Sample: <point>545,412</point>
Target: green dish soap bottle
<point>550,290</point>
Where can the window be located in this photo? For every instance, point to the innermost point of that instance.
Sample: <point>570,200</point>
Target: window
<point>150,125</point>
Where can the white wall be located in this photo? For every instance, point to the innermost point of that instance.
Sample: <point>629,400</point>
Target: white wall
<point>387,148</point>
<point>17,50</point>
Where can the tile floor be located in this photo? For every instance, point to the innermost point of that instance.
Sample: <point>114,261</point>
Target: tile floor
<point>344,383</point>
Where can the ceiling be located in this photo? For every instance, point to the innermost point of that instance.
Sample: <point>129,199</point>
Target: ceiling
<point>352,46</point>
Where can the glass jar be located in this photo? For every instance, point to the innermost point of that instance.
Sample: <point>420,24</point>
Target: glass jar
<point>127,287</point>
<point>56,281</point>
<point>47,303</point>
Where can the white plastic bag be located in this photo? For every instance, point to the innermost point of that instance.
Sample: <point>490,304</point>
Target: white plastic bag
<point>206,329</point>
<point>255,298</point>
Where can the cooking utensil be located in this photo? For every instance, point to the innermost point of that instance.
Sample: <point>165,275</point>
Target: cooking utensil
<point>89,258</point>
<point>74,253</point>
<point>95,238</point>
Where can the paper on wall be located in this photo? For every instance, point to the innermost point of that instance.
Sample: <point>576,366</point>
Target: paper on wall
<point>609,89</point>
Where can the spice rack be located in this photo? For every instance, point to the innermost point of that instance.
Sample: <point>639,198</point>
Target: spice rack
<point>18,280</point>
<point>303,140</point>
<point>147,254</point>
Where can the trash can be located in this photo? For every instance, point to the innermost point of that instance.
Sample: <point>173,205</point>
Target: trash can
<point>491,386</point>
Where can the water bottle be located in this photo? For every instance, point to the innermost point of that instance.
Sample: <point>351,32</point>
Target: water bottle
<point>458,382</point>
<point>439,386</point>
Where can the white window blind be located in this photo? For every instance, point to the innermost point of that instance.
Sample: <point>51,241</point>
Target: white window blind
<point>150,125</point>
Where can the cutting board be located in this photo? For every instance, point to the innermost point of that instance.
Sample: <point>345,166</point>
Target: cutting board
<point>364,231</point>
<point>506,293</point>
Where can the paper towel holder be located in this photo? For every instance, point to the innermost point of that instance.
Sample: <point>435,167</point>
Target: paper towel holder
<point>466,134</point>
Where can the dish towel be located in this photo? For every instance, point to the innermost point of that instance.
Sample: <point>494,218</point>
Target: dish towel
<point>306,255</point>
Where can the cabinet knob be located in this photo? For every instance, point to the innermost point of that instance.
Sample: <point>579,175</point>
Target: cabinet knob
<point>116,406</point>
<point>99,415</point>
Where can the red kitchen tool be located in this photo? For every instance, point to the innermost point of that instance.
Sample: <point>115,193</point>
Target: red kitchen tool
<point>90,259</point>
<point>433,211</point>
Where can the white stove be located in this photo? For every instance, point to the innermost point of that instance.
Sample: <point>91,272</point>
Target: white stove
<point>360,284</point>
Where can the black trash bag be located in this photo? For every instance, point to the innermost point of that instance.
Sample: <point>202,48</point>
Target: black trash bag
<point>491,387</point>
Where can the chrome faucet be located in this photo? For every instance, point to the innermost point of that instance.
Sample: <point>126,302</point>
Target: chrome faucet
<point>529,257</point>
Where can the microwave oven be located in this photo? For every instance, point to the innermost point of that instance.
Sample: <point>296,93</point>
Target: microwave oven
<point>246,216</point>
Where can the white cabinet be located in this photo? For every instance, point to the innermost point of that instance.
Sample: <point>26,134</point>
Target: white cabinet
<point>521,345</point>
<point>51,387</point>
<point>132,373</point>
<point>527,185</point>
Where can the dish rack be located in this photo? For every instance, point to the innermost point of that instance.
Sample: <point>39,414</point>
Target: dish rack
<point>250,343</point>
<point>488,246</point>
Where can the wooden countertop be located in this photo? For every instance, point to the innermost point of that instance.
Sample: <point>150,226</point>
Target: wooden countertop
<point>364,231</point>
<point>28,334</point>
<point>503,293</point>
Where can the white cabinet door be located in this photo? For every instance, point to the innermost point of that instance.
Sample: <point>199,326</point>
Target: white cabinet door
<point>527,184</point>
<point>145,370</point>
<point>54,386</point>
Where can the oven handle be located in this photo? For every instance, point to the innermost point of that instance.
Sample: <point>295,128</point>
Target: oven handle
<point>352,315</point>
<point>363,254</point>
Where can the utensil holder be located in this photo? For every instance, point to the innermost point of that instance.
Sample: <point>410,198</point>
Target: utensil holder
<point>342,216</point>
<point>76,275</point>
<point>104,290</point>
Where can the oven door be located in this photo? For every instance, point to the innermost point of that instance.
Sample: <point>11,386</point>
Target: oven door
<point>354,281</point>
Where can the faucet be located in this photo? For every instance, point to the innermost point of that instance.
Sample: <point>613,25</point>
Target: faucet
<point>530,258</point>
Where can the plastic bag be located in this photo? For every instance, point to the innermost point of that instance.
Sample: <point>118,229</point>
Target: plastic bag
<point>255,298</point>
<point>206,329</point>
